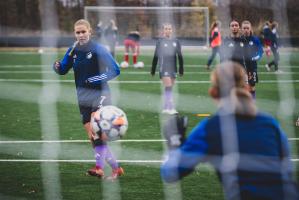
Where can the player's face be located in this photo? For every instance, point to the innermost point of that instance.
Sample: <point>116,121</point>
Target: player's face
<point>82,34</point>
<point>246,29</point>
<point>234,27</point>
<point>167,31</point>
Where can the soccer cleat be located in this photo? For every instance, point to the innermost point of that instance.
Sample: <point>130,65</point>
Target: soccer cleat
<point>207,67</point>
<point>278,72</point>
<point>170,111</point>
<point>267,67</point>
<point>95,171</point>
<point>173,111</point>
<point>116,173</point>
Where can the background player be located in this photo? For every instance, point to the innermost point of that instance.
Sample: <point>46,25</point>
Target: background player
<point>132,43</point>
<point>253,51</point>
<point>274,45</point>
<point>215,42</point>
<point>232,48</point>
<point>238,141</point>
<point>266,35</point>
<point>111,36</point>
<point>168,49</point>
<point>93,67</point>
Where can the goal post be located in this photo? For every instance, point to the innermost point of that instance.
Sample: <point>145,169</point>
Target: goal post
<point>191,24</point>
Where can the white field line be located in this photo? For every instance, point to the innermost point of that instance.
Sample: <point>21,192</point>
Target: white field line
<point>125,72</point>
<point>90,161</point>
<point>146,66</point>
<point>72,141</point>
<point>77,161</point>
<point>132,82</point>
<point>85,141</point>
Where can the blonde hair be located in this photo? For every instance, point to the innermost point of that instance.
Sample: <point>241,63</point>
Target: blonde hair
<point>230,81</point>
<point>246,22</point>
<point>84,23</point>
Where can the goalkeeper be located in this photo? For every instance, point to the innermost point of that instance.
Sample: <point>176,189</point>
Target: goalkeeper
<point>248,149</point>
<point>93,67</point>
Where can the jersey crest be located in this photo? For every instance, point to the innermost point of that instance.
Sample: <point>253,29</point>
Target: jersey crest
<point>89,55</point>
<point>250,43</point>
<point>174,44</point>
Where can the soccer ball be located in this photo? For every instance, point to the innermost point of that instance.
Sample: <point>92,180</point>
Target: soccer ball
<point>124,64</point>
<point>110,120</point>
<point>139,65</point>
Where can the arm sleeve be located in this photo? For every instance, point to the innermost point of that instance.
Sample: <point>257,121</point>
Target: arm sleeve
<point>106,61</point>
<point>155,59</point>
<point>180,57</point>
<point>260,51</point>
<point>65,64</point>
<point>183,160</point>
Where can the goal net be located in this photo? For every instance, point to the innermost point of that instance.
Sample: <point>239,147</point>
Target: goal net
<point>191,24</point>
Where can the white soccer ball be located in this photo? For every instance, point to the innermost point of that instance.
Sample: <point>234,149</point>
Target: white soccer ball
<point>139,65</point>
<point>110,120</point>
<point>124,64</point>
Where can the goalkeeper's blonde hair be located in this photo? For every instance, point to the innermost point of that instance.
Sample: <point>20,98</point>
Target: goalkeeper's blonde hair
<point>229,82</point>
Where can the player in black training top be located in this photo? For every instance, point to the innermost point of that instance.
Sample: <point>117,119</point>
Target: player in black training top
<point>232,48</point>
<point>166,53</point>
<point>253,51</point>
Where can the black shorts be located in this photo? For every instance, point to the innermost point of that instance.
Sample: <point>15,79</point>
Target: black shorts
<point>85,111</point>
<point>252,77</point>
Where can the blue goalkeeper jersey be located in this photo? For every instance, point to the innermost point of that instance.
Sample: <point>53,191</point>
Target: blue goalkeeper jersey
<point>257,167</point>
<point>93,66</point>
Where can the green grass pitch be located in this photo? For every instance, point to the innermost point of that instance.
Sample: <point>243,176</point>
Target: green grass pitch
<point>36,104</point>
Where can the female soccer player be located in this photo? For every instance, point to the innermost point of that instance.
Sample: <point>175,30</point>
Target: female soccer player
<point>93,67</point>
<point>166,52</point>
<point>253,51</point>
<point>215,42</point>
<point>248,149</point>
<point>111,35</point>
<point>132,43</point>
<point>233,45</point>
<point>274,48</point>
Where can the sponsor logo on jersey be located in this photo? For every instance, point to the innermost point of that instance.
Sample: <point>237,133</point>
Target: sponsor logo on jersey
<point>89,55</point>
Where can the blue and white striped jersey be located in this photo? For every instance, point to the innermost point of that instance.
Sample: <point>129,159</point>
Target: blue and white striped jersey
<point>93,66</point>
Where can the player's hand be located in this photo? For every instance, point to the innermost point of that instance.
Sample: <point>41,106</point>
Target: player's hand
<point>56,66</point>
<point>174,130</point>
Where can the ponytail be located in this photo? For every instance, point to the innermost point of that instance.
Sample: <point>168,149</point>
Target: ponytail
<point>242,103</point>
<point>229,87</point>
